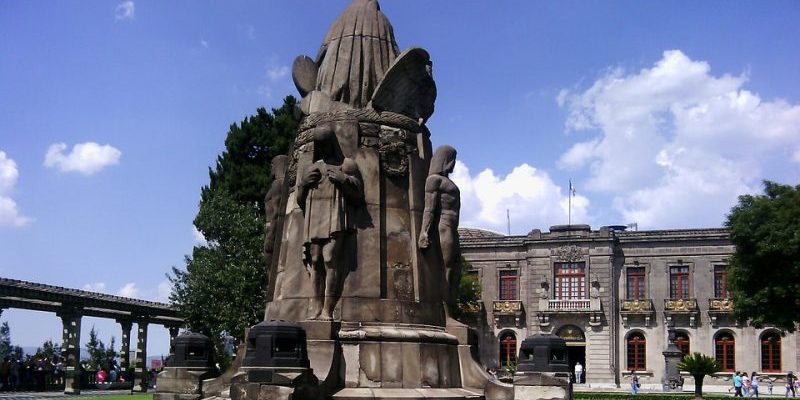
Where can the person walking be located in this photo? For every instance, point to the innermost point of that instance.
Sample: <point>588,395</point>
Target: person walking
<point>737,384</point>
<point>754,384</point>
<point>746,384</point>
<point>634,383</point>
<point>790,381</point>
<point>578,372</point>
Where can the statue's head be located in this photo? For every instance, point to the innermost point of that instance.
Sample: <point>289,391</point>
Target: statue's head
<point>444,160</point>
<point>325,144</point>
<point>278,166</point>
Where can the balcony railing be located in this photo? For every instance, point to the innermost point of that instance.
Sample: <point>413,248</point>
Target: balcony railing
<point>720,305</point>
<point>680,305</point>
<point>569,305</point>
<point>634,306</point>
<point>507,306</point>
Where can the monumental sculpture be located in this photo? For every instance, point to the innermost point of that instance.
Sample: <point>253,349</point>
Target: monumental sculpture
<point>272,203</point>
<point>365,233</point>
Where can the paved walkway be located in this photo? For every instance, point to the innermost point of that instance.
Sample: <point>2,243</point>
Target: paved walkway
<point>60,395</point>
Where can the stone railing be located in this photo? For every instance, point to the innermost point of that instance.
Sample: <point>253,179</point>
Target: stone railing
<point>680,305</point>
<point>569,305</point>
<point>507,306</point>
<point>636,305</point>
<point>720,305</point>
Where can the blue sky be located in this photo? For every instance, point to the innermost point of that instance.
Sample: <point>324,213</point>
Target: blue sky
<point>111,112</point>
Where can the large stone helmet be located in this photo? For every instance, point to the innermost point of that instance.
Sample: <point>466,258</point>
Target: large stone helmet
<point>444,160</point>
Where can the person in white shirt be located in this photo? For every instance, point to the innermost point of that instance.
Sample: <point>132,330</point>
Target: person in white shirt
<point>578,372</point>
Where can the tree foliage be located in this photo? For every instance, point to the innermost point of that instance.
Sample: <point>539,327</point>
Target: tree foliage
<point>243,170</point>
<point>5,340</point>
<point>699,365</point>
<point>468,294</point>
<point>100,355</point>
<point>764,273</point>
<point>221,291</point>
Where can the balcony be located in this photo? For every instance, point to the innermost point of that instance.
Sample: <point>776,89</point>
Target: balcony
<point>549,307</point>
<point>636,308</point>
<point>505,309</point>
<point>681,307</point>
<point>507,306</point>
<point>719,307</point>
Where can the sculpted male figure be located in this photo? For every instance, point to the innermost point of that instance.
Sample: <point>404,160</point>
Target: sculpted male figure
<point>442,206</point>
<point>272,203</point>
<point>327,192</point>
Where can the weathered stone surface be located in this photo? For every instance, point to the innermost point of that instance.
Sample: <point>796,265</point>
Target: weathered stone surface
<point>304,74</point>
<point>391,365</point>
<point>540,393</point>
<point>370,364</point>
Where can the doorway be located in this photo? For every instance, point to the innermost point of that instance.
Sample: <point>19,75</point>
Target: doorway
<point>576,349</point>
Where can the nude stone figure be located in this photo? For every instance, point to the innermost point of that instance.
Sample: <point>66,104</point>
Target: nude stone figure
<point>442,206</point>
<point>327,193</point>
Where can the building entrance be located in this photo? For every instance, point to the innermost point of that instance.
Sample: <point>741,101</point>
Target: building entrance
<point>576,349</point>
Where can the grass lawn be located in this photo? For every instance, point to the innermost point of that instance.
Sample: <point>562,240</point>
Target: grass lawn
<point>137,396</point>
<point>646,396</point>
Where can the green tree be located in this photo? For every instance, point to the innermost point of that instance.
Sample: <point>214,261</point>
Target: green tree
<point>99,354</point>
<point>5,340</point>
<point>699,365</point>
<point>49,350</point>
<point>468,295</point>
<point>766,232</point>
<point>221,290</point>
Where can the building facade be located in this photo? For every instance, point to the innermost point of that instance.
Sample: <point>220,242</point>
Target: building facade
<point>612,295</point>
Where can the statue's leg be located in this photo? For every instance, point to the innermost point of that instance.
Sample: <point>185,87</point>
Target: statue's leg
<point>317,279</point>
<point>332,255</point>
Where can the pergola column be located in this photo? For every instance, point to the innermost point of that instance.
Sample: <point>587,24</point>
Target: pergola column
<point>173,333</point>
<point>125,350</point>
<point>140,375</point>
<point>70,349</point>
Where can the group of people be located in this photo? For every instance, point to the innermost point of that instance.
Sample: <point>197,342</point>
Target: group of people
<point>33,373</point>
<point>747,386</point>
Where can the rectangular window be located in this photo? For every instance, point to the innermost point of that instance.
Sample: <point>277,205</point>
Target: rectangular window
<point>679,282</point>
<point>508,285</point>
<point>635,284</point>
<point>570,281</point>
<point>720,281</point>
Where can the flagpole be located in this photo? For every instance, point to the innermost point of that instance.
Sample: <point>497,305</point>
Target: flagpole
<point>569,196</point>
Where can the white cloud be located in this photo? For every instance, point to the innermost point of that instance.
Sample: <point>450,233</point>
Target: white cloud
<point>129,290</point>
<point>198,236</point>
<point>164,290</point>
<point>95,287</point>
<point>277,72</point>
<point>532,198</point>
<point>10,214</point>
<point>86,158</point>
<point>676,144</point>
<point>125,10</point>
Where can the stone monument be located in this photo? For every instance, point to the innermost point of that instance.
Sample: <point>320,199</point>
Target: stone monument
<point>673,381</point>
<point>362,239</point>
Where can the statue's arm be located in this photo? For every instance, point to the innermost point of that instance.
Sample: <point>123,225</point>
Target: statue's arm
<point>350,184</point>
<point>311,177</point>
<point>431,203</point>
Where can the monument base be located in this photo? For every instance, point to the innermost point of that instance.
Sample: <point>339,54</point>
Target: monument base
<point>407,394</point>
<point>263,383</point>
<point>180,383</point>
<point>542,386</point>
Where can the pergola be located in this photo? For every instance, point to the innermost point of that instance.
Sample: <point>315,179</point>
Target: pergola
<point>72,304</point>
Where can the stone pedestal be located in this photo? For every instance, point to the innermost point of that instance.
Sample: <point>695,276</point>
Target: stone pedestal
<point>275,383</point>
<point>672,381</point>
<point>181,383</point>
<point>191,361</point>
<point>71,329</point>
<point>542,386</point>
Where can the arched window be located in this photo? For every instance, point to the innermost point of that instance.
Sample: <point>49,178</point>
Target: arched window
<point>725,351</point>
<point>682,342</point>
<point>508,349</point>
<point>637,348</point>
<point>771,352</point>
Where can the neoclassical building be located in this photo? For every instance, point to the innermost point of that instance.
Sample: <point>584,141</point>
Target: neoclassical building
<point>612,294</point>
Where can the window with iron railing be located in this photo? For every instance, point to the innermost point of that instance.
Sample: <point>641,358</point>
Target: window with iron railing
<point>720,281</point>
<point>679,282</point>
<point>507,287</point>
